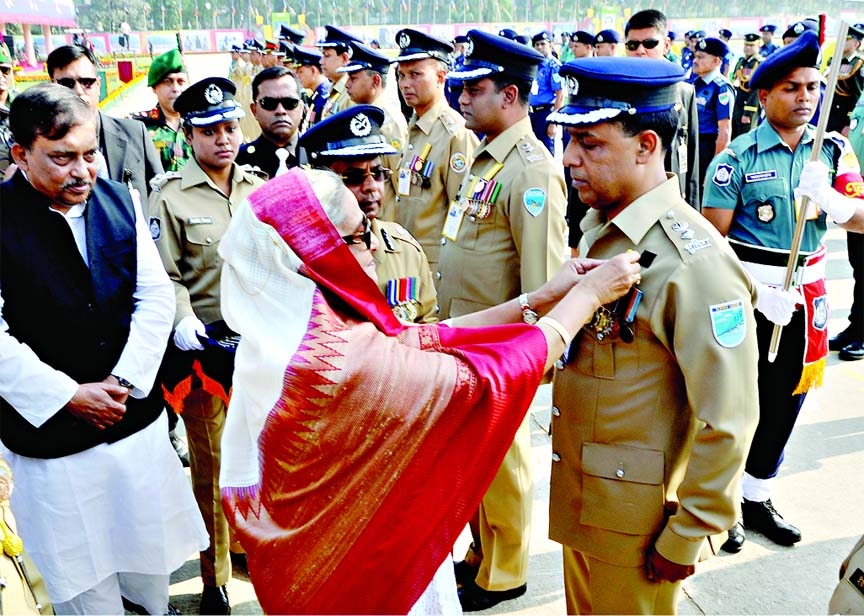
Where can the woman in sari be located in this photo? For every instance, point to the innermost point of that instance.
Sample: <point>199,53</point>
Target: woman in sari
<point>356,446</point>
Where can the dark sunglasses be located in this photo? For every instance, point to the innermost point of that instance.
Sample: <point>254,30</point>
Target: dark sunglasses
<point>269,103</point>
<point>364,237</point>
<point>633,45</point>
<point>69,82</point>
<point>5,69</point>
<point>355,177</point>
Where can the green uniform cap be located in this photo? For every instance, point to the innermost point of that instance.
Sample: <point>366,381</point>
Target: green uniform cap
<point>169,62</point>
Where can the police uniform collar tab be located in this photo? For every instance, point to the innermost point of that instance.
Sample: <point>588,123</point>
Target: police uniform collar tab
<point>416,45</point>
<point>607,36</point>
<point>337,39</point>
<point>603,88</point>
<point>209,101</point>
<point>803,52</point>
<point>488,54</point>
<point>363,58</point>
<point>713,46</point>
<point>352,133</point>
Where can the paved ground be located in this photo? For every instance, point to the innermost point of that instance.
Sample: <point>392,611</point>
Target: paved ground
<point>819,488</point>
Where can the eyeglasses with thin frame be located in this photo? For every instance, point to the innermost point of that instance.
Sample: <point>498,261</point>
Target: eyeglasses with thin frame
<point>355,177</point>
<point>633,44</point>
<point>364,237</point>
<point>271,103</point>
<point>69,82</point>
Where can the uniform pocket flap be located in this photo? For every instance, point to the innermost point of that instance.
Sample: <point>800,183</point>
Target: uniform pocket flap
<point>623,463</point>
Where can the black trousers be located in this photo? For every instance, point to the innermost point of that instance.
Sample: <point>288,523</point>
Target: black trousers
<point>855,246</point>
<point>778,408</point>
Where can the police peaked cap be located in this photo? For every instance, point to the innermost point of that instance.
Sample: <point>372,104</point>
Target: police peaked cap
<point>489,54</point>
<point>352,133</point>
<point>803,52</point>
<point>416,45</point>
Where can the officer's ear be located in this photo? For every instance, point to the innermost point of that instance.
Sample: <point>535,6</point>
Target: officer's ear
<point>648,143</point>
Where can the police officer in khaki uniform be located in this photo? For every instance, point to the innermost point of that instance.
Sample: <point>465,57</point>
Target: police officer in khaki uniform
<point>190,211</point>
<point>352,145</point>
<point>437,156</point>
<point>504,235</point>
<point>656,401</point>
<point>368,72</point>
<point>336,51</point>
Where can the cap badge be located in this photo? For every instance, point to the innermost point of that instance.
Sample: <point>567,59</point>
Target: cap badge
<point>213,94</point>
<point>360,125</point>
<point>701,44</point>
<point>599,38</point>
<point>469,47</point>
<point>404,40</point>
<point>798,28</point>
<point>572,85</point>
<point>349,51</point>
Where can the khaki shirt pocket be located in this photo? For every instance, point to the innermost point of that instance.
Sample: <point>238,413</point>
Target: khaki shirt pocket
<point>202,244</point>
<point>622,488</point>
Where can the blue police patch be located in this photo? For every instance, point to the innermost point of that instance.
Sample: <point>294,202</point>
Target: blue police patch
<point>728,323</point>
<point>820,312</point>
<point>534,200</point>
<point>722,175</point>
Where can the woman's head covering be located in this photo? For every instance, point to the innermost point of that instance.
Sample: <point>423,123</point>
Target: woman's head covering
<point>355,448</point>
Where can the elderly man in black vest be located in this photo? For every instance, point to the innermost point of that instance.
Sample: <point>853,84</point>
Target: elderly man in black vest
<point>85,313</point>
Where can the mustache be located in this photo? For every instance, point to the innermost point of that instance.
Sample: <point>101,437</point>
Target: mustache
<point>77,184</point>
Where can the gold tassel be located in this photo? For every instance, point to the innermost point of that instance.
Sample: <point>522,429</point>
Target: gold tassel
<point>811,377</point>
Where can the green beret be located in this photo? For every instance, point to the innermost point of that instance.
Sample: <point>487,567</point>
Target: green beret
<point>169,62</point>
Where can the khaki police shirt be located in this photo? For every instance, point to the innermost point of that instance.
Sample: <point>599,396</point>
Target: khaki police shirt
<point>395,131</point>
<point>522,242</point>
<point>188,217</point>
<point>424,209</point>
<point>399,256</point>
<point>338,99</point>
<point>649,438</point>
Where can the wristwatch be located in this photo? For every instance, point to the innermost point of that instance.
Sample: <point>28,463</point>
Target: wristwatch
<point>528,315</point>
<point>123,382</point>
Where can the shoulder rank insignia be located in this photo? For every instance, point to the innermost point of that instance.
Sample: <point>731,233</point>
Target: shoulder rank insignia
<point>158,181</point>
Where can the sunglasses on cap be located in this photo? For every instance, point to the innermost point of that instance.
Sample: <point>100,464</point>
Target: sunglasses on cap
<point>633,44</point>
<point>69,82</point>
<point>271,103</point>
<point>355,177</point>
<point>364,237</point>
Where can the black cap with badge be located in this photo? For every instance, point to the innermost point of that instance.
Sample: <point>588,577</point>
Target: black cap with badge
<point>713,46</point>
<point>292,35</point>
<point>488,54</point>
<point>366,58</point>
<point>416,45</point>
<point>209,101</point>
<point>751,37</point>
<point>352,133</point>
<point>307,57</point>
<point>337,39</point>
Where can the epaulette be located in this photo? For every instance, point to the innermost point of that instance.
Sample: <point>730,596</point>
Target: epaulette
<point>161,179</point>
<point>448,121</point>
<point>397,232</point>
<point>722,79</point>
<point>254,170</point>
<point>681,227</point>
<point>528,151</point>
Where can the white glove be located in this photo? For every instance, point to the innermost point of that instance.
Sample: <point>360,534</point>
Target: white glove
<point>777,305</point>
<point>815,185</point>
<point>186,334</point>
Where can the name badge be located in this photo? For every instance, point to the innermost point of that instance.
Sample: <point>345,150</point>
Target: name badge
<point>199,220</point>
<point>760,176</point>
<point>404,185</point>
<point>453,222</point>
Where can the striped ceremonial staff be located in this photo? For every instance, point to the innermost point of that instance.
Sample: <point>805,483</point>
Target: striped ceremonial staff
<point>827,100</point>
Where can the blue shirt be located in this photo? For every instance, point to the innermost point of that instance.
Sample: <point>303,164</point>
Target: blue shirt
<point>768,49</point>
<point>546,83</point>
<point>715,100</point>
<point>686,58</point>
<point>756,176</point>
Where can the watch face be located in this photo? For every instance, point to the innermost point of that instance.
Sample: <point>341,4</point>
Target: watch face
<point>529,316</point>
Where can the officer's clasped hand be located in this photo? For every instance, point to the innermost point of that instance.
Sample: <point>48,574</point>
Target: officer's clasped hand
<point>777,305</point>
<point>815,185</point>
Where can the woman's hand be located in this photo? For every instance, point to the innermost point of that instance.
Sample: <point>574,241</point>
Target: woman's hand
<point>613,278</point>
<point>567,276</point>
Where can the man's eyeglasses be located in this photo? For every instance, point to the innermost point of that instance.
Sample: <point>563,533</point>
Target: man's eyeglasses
<point>365,237</point>
<point>355,177</point>
<point>5,69</point>
<point>633,45</point>
<point>69,82</point>
<point>270,103</point>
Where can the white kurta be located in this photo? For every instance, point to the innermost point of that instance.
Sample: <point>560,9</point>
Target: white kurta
<point>125,506</point>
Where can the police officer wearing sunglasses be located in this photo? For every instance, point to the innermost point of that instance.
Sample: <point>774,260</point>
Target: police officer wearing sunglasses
<point>279,109</point>
<point>350,143</point>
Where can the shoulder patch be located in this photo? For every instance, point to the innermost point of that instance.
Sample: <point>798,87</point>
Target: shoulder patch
<point>724,98</point>
<point>458,162</point>
<point>722,175</point>
<point>534,200</point>
<point>159,180</point>
<point>728,323</point>
<point>155,225</point>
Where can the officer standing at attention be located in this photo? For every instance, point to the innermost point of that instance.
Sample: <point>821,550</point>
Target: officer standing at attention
<point>335,52</point>
<point>169,79</point>
<point>655,403</point>
<point>190,211</point>
<point>401,267</point>
<point>307,65</point>
<point>768,46</point>
<point>746,111</point>
<point>278,109</point>
<point>437,156</point>
<point>687,52</point>
<point>714,101</point>
<point>749,198</point>
<point>546,93</point>
<point>504,235</point>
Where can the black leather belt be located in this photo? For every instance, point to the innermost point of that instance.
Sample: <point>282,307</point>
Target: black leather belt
<point>765,256</point>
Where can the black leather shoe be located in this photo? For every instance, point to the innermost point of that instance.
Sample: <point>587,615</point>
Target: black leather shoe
<point>473,598</point>
<point>763,518</point>
<point>180,447</point>
<point>214,600</point>
<point>840,340</point>
<point>735,539</point>
<point>465,573</point>
<point>851,352</point>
